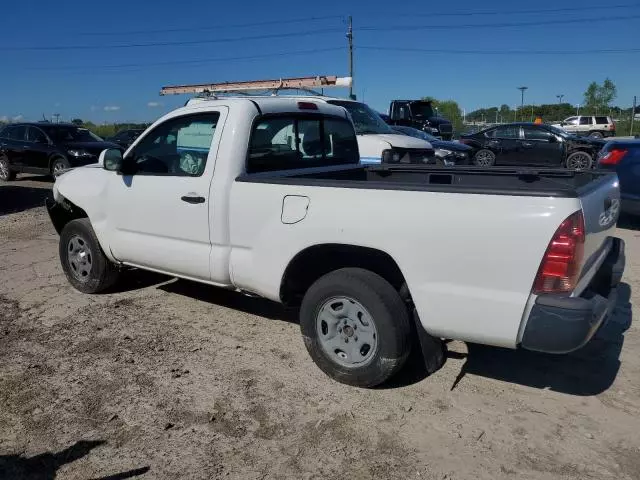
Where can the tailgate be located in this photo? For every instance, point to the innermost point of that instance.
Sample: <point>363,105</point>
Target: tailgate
<point>600,202</point>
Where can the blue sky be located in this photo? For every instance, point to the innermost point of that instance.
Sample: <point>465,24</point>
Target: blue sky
<point>122,84</point>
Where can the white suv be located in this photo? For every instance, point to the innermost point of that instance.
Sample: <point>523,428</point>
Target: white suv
<point>593,126</point>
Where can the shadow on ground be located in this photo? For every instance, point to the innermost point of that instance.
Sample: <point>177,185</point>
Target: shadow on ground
<point>46,465</point>
<point>15,198</point>
<point>231,299</point>
<point>629,222</point>
<point>588,371</point>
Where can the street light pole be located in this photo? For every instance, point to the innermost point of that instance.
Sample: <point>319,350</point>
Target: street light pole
<point>522,89</point>
<point>559,97</point>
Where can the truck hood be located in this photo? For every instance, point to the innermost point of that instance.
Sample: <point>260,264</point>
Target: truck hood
<point>371,146</point>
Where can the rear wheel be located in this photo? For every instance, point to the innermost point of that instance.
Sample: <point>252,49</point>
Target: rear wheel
<point>356,327</point>
<point>83,261</point>
<point>484,158</point>
<point>6,174</point>
<point>58,165</point>
<point>579,161</point>
<point>596,135</point>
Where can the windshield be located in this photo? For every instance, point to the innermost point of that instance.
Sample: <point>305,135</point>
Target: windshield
<point>558,131</point>
<point>423,109</point>
<point>73,134</point>
<point>365,120</point>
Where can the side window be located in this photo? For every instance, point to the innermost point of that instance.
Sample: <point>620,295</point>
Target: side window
<point>508,132</point>
<point>6,132</point>
<point>36,135</point>
<point>531,133</point>
<point>17,133</point>
<point>585,121</point>
<point>288,142</point>
<point>177,147</point>
<point>571,121</point>
<point>602,120</point>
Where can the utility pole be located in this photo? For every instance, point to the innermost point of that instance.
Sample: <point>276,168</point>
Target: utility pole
<point>559,97</point>
<point>350,39</point>
<point>522,89</point>
<point>577,110</point>
<point>633,114</point>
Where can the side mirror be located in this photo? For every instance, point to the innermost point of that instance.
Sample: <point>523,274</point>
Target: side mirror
<point>111,159</point>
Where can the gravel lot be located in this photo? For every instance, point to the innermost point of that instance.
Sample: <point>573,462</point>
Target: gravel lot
<point>167,379</point>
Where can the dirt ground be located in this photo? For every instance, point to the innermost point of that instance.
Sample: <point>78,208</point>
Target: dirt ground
<point>167,379</point>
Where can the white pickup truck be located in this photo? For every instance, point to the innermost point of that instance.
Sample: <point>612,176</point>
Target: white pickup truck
<point>267,196</point>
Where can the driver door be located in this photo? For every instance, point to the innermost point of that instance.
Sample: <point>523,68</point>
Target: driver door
<point>159,214</point>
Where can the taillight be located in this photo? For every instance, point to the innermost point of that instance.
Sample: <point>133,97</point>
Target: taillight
<point>613,156</point>
<point>560,265</point>
<point>612,127</point>
<point>307,106</point>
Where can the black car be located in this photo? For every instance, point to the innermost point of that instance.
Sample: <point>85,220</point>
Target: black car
<point>47,148</point>
<point>449,153</point>
<point>422,115</point>
<point>531,144</point>
<point>125,138</point>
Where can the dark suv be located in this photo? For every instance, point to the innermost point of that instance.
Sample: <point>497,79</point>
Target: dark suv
<point>47,148</point>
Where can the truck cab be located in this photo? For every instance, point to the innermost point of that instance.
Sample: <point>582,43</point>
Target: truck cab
<point>377,141</point>
<point>420,114</point>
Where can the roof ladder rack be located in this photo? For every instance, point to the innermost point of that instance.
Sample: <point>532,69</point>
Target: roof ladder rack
<point>299,83</point>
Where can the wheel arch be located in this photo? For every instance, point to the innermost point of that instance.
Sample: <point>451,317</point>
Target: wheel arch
<point>63,211</point>
<point>315,261</point>
<point>54,156</point>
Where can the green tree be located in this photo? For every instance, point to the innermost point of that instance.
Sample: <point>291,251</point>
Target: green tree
<point>597,98</point>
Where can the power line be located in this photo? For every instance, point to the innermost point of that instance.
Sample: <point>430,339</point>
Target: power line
<point>498,25</point>
<point>214,27</point>
<point>175,43</point>
<point>502,52</point>
<point>514,12</point>
<point>192,62</point>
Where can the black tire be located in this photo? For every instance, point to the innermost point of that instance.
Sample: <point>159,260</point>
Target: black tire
<point>484,158</point>
<point>59,164</point>
<point>101,272</point>
<point>386,311</point>
<point>596,134</point>
<point>6,174</point>
<point>579,161</point>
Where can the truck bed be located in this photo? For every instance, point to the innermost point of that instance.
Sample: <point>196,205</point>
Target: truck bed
<point>546,182</point>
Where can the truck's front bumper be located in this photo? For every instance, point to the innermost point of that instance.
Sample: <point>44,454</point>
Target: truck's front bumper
<point>560,324</point>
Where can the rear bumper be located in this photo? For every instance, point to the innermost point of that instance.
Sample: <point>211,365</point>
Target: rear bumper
<point>559,324</point>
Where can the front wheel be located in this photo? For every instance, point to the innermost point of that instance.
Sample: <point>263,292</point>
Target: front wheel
<point>83,261</point>
<point>6,174</point>
<point>579,161</point>
<point>484,158</point>
<point>356,327</point>
<point>59,165</point>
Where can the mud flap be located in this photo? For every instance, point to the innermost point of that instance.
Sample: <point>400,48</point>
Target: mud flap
<point>433,349</point>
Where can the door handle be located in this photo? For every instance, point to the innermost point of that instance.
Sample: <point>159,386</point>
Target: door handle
<point>527,144</point>
<point>193,199</point>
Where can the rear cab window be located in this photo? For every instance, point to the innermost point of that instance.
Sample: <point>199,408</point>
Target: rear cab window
<point>291,141</point>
